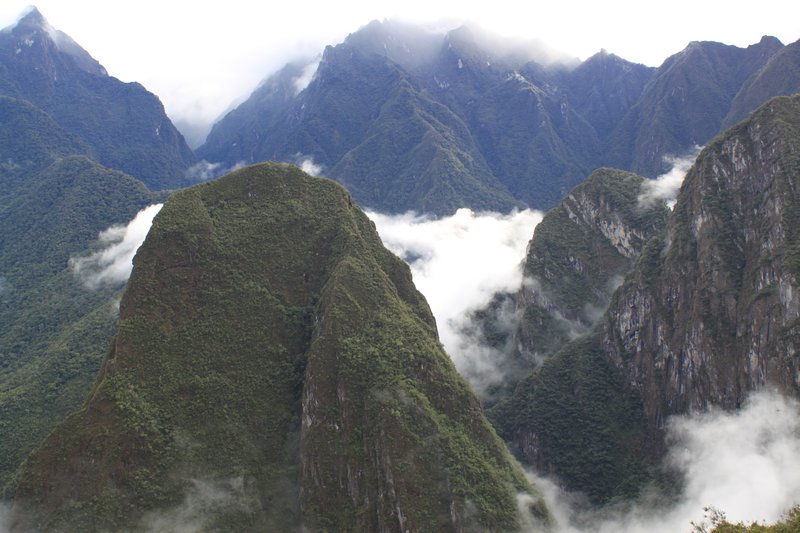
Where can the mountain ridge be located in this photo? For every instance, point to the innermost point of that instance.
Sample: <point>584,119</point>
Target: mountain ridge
<point>525,130</point>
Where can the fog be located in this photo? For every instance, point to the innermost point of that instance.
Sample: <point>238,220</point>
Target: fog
<point>666,186</point>
<point>459,263</point>
<point>111,264</point>
<point>745,464</point>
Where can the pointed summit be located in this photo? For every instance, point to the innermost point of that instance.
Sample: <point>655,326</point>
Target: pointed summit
<point>30,18</point>
<point>33,32</point>
<point>47,68</point>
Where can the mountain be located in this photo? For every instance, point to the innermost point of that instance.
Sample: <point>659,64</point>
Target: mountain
<point>708,313</point>
<point>685,103</point>
<point>53,330</point>
<point>579,254</point>
<point>124,125</point>
<point>274,368</point>
<point>30,141</point>
<point>780,76</point>
<point>412,120</point>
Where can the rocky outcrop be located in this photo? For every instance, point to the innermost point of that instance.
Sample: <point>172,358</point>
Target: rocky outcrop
<point>577,257</point>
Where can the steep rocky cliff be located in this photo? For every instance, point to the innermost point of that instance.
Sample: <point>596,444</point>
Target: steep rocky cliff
<point>708,313</point>
<point>274,368</point>
<point>570,415</point>
<point>578,255</point>
<point>712,310</point>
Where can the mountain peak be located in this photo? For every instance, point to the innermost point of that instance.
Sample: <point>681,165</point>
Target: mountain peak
<point>29,21</point>
<point>32,28</point>
<point>31,16</point>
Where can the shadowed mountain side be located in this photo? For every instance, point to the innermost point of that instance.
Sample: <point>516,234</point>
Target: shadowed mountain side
<point>780,76</point>
<point>271,348</point>
<point>409,119</point>
<point>685,103</point>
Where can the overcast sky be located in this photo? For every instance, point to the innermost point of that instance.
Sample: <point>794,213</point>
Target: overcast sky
<point>200,57</point>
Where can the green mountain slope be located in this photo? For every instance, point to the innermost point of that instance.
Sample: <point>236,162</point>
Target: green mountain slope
<point>29,141</point>
<point>269,347</point>
<point>685,104</point>
<point>53,331</point>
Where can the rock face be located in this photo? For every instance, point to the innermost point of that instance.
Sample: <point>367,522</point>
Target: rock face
<point>125,126</point>
<point>553,419</point>
<point>708,313</point>
<point>579,254</point>
<point>275,363</point>
<point>711,311</point>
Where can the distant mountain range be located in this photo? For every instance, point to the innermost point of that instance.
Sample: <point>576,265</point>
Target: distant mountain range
<point>409,120</point>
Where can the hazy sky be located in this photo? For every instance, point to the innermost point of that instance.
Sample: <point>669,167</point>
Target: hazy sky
<point>200,57</point>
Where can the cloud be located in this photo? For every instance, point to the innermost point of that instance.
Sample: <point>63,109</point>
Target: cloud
<point>203,171</point>
<point>666,186</point>
<point>302,81</point>
<point>111,265</point>
<point>745,463</point>
<point>459,263</point>
<point>307,165</point>
<point>202,500</point>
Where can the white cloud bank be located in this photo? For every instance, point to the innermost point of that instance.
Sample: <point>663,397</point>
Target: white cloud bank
<point>459,263</point>
<point>111,265</point>
<point>744,463</point>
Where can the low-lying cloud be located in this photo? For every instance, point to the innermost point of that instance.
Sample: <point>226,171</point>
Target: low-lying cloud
<point>307,165</point>
<point>744,463</point>
<point>111,265</point>
<point>666,186</point>
<point>305,77</point>
<point>202,500</point>
<point>459,263</point>
<point>204,171</point>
